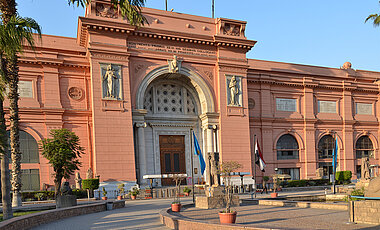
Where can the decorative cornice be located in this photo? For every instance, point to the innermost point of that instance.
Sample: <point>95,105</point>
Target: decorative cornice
<point>90,24</point>
<point>54,63</point>
<point>169,124</point>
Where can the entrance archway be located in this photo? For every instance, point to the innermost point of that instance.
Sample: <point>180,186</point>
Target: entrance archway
<point>170,105</point>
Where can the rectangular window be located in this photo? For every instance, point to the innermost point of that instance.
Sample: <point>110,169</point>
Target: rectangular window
<point>168,163</point>
<point>176,162</point>
<point>30,179</point>
<point>286,104</point>
<point>294,173</point>
<point>363,108</point>
<point>287,154</point>
<point>327,106</point>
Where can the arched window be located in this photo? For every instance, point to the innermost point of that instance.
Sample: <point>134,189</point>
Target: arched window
<point>326,147</point>
<point>364,147</point>
<point>287,147</point>
<point>28,148</point>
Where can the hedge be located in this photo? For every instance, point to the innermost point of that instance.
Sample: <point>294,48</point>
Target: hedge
<point>90,184</point>
<point>343,177</point>
<point>49,195</point>
<point>304,183</point>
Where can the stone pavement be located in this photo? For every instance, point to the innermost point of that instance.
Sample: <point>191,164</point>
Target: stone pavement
<point>143,214</point>
<point>274,217</point>
<point>138,214</point>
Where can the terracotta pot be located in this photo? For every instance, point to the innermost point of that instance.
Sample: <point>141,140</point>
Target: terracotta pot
<point>274,194</point>
<point>133,197</point>
<point>176,207</point>
<point>227,218</point>
<point>186,194</point>
<point>104,198</point>
<point>119,197</point>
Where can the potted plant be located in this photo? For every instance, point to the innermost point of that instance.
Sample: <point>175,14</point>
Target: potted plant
<point>226,169</point>
<point>121,191</point>
<point>187,191</point>
<point>176,204</point>
<point>133,193</point>
<point>104,193</point>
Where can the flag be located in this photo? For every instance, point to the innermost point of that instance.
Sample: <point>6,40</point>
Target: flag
<point>335,155</point>
<point>197,151</point>
<point>259,157</point>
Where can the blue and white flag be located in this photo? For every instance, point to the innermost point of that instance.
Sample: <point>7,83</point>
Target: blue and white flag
<point>197,151</point>
<point>335,155</point>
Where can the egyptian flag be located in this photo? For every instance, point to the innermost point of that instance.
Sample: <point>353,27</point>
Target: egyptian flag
<point>259,157</point>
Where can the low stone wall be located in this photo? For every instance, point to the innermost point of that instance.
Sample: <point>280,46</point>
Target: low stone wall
<point>365,211</point>
<point>299,204</point>
<point>35,219</point>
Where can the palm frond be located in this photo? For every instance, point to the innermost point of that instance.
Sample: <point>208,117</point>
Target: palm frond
<point>17,33</point>
<point>131,10</point>
<point>375,18</point>
<point>78,3</point>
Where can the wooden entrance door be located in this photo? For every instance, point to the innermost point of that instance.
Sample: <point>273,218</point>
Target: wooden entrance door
<point>172,156</point>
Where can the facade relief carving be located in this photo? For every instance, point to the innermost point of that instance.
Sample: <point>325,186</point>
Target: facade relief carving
<point>232,29</point>
<point>106,11</point>
<point>234,90</point>
<point>111,81</point>
<point>174,65</point>
<point>76,93</point>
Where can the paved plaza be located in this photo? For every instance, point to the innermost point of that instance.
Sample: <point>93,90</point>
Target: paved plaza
<point>143,214</point>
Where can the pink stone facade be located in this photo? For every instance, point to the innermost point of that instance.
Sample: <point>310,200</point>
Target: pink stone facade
<point>120,134</point>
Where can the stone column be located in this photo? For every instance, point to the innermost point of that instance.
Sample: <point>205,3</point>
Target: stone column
<point>141,147</point>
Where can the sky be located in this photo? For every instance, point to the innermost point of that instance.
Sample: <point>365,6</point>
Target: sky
<point>312,32</point>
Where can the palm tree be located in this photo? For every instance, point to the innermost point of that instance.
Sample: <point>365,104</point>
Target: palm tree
<point>14,35</point>
<point>12,38</point>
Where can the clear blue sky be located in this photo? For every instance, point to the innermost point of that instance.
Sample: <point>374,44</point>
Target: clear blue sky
<point>315,32</point>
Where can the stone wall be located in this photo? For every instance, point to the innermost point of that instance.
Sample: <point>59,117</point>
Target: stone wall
<point>36,219</point>
<point>365,211</point>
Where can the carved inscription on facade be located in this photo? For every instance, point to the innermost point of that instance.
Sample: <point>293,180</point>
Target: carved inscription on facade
<point>25,89</point>
<point>364,108</point>
<point>171,49</point>
<point>234,90</point>
<point>111,81</point>
<point>286,104</point>
<point>327,106</point>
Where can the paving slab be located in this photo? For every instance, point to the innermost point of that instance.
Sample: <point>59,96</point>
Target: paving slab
<point>274,217</point>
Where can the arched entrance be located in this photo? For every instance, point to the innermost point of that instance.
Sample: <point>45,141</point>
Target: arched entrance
<point>168,107</point>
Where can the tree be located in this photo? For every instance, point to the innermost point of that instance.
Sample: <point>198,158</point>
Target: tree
<point>63,152</point>
<point>226,169</point>
<point>13,35</point>
<point>375,19</point>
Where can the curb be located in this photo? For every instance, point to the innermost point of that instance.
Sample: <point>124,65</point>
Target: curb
<point>182,223</point>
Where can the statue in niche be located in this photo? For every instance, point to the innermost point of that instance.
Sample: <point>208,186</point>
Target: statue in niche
<point>234,91</point>
<point>111,83</point>
<point>365,169</point>
<point>174,65</point>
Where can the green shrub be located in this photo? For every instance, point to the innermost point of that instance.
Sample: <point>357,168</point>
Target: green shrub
<point>343,177</point>
<point>40,196</point>
<point>31,196</point>
<point>80,193</point>
<point>187,190</point>
<point>90,184</point>
<point>304,183</point>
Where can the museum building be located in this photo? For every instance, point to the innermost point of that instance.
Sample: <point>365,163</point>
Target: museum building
<point>134,95</point>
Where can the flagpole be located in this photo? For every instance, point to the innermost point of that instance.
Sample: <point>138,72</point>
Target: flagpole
<point>166,5</point>
<point>213,8</point>
<point>192,166</point>
<point>335,155</point>
<point>254,162</point>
